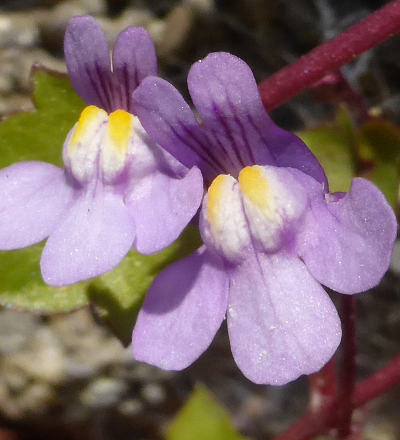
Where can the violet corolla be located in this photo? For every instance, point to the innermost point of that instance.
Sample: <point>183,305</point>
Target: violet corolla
<point>118,187</point>
<point>272,234</point>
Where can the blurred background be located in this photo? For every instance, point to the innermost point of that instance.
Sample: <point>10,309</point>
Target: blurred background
<point>67,376</point>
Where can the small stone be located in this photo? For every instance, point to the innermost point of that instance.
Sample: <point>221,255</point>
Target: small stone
<point>177,27</point>
<point>42,359</point>
<point>153,393</point>
<point>130,407</point>
<point>200,6</point>
<point>17,30</point>
<point>15,328</point>
<point>103,392</point>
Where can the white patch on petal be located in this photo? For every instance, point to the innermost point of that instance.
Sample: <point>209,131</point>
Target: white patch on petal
<point>272,200</point>
<point>116,144</point>
<point>142,150</point>
<point>82,146</point>
<point>223,219</point>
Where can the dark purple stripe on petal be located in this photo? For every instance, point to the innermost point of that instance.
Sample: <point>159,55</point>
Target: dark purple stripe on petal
<point>204,150</point>
<point>229,141</point>
<point>104,80</point>
<point>229,165</point>
<point>134,58</point>
<point>246,142</point>
<point>96,87</point>
<point>226,81</point>
<point>88,60</point>
<point>168,119</point>
<point>185,138</point>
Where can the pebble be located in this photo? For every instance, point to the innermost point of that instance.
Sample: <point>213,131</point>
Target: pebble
<point>103,392</point>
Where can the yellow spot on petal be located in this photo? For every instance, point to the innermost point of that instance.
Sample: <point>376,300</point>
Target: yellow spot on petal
<point>89,119</point>
<point>215,193</point>
<point>119,130</point>
<point>254,186</point>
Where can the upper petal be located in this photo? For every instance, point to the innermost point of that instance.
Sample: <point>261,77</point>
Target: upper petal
<point>33,196</point>
<point>171,123</point>
<point>281,322</point>
<point>226,96</point>
<point>162,206</point>
<point>182,312</point>
<point>88,61</point>
<point>134,58</point>
<point>347,243</point>
<point>93,238</point>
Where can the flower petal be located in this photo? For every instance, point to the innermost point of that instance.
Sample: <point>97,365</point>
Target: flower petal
<point>182,312</point>
<point>223,224</point>
<point>347,242</point>
<point>134,58</point>
<point>33,196</point>
<point>162,206</point>
<point>94,237</point>
<point>281,322</point>
<point>171,123</point>
<point>225,93</point>
<point>88,61</point>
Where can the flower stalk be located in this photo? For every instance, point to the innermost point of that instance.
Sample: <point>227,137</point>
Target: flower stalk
<point>323,387</point>
<point>330,56</point>
<point>347,369</point>
<point>312,424</point>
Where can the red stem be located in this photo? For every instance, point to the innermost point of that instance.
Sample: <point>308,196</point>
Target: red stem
<point>323,387</point>
<point>378,383</point>
<point>330,56</point>
<point>311,424</point>
<point>347,369</point>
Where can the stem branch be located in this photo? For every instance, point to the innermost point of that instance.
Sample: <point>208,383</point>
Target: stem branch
<point>347,369</point>
<point>311,424</point>
<point>378,383</point>
<point>330,56</point>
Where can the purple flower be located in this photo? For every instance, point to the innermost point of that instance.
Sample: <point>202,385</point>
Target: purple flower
<point>272,233</point>
<point>119,189</point>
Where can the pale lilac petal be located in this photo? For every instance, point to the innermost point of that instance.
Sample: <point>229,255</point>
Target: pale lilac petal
<point>33,196</point>
<point>134,58</point>
<point>162,206</point>
<point>225,93</point>
<point>347,242</point>
<point>94,237</point>
<point>281,322</point>
<point>182,311</point>
<point>88,61</point>
<point>171,123</point>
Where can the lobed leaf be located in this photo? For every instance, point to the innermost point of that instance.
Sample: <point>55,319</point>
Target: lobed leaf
<point>39,134</point>
<point>202,418</point>
<point>379,143</point>
<point>334,147</point>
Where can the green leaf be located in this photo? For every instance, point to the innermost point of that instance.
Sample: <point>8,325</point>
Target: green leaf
<point>202,418</point>
<point>118,295</point>
<point>334,147</point>
<point>379,143</point>
<point>22,287</point>
<point>39,134</point>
